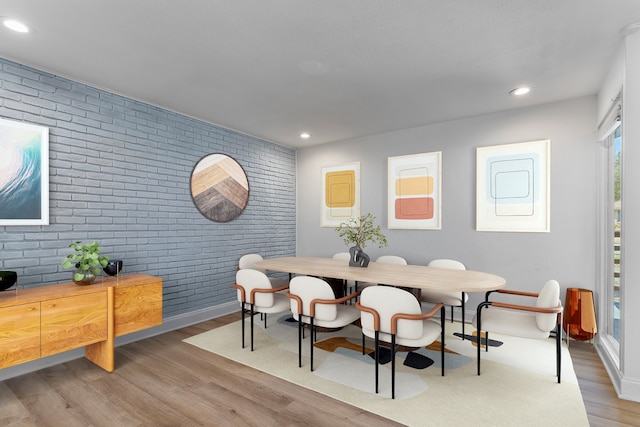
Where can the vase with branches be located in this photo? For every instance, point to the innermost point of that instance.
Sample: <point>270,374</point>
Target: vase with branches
<point>358,232</point>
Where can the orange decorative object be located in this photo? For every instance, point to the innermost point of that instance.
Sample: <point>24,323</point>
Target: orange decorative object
<point>579,314</point>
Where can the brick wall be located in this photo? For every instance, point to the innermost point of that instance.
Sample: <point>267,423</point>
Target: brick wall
<point>119,174</point>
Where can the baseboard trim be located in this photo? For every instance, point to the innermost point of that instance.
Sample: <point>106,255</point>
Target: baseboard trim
<point>170,324</point>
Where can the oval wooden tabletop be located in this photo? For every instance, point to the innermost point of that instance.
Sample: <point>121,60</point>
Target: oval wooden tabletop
<point>412,276</point>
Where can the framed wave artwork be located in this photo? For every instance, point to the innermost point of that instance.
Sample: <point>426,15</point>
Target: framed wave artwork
<point>24,174</point>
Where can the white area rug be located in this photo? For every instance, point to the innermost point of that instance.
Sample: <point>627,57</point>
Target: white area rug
<point>517,387</point>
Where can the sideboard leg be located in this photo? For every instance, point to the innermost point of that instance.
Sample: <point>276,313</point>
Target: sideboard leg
<point>102,353</point>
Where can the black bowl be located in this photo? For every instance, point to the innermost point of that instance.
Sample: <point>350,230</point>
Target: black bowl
<point>7,279</point>
<point>113,267</point>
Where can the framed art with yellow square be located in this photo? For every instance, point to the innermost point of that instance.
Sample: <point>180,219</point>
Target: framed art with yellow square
<point>340,194</point>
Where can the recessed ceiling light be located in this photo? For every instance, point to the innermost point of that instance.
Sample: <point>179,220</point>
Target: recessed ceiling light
<point>15,25</point>
<point>305,135</point>
<point>520,90</point>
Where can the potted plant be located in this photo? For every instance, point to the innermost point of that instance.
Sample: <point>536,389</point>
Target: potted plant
<point>357,232</point>
<point>86,260</point>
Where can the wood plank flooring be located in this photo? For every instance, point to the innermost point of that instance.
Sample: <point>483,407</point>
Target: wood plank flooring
<point>603,406</point>
<point>162,381</point>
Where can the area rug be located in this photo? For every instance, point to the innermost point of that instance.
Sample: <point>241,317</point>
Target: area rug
<point>517,386</point>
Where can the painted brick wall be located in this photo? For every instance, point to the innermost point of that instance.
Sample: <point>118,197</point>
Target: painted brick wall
<point>119,174</point>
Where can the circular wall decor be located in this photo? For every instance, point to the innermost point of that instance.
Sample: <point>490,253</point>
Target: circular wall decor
<point>219,187</point>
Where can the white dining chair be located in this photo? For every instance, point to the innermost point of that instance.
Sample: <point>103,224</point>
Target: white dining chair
<point>395,316</point>
<point>314,303</point>
<point>257,294</point>
<point>526,321</point>
<point>383,259</point>
<point>450,298</point>
<point>250,260</point>
<point>347,284</point>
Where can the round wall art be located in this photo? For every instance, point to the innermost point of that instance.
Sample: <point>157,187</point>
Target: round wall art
<point>219,187</point>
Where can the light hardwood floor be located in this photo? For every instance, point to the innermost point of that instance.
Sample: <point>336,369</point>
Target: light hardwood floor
<point>162,381</point>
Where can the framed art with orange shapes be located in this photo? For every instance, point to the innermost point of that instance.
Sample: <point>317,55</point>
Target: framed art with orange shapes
<point>340,194</point>
<point>414,191</point>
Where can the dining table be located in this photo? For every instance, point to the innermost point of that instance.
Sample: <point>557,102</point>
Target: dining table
<point>419,277</point>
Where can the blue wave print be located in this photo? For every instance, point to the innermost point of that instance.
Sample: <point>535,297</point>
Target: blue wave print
<point>20,197</point>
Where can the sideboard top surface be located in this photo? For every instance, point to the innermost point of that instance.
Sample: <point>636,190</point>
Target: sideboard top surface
<point>61,290</point>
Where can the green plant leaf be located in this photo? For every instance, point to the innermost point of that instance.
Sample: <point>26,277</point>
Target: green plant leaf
<point>359,231</point>
<point>86,257</point>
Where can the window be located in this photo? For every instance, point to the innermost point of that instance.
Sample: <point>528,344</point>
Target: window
<point>616,182</point>
<point>611,245</point>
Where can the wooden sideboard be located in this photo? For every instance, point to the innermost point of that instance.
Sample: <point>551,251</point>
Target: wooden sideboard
<point>46,320</point>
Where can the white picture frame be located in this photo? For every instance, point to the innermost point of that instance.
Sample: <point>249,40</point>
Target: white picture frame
<point>340,195</point>
<point>513,187</point>
<point>414,196</point>
<point>24,173</point>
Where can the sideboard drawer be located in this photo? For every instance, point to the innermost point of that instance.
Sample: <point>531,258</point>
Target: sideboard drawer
<point>19,334</point>
<point>137,307</point>
<point>73,322</point>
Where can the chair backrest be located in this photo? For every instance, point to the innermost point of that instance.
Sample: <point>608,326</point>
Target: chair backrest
<point>391,259</point>
<point>310,288</point>
<point>387,301</point>
<point>548,298</point>
<point>249,261</point>
<point>342,255</point>
<point>451,264</point>
<point>251,279</point>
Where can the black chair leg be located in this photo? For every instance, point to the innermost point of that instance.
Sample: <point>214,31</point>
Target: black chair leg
<point>442,340</point>
<point>252,327</point>
<point>479,328</point>
<point>265,320</point>
<point>311,340</point>
<point>393,366</point>
<point>558,351</point>
<point>242,310</point>
<point>300,341</point>
<point>345,290</point>
<point>463,308</point>
<point>478,342</point>
<point>363,344</point>
<point>377,350</point>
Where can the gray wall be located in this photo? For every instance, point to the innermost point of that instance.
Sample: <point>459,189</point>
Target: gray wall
<point>526,260</point>
<point>119,174</point>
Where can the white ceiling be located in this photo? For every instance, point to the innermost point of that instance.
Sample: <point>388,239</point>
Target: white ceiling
<point>336,68</point>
